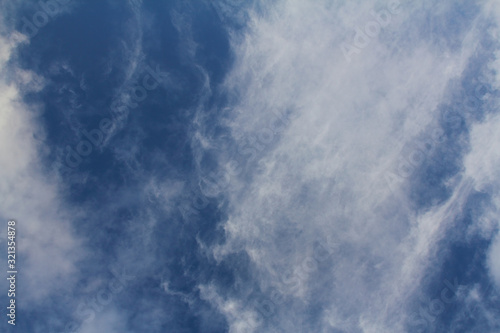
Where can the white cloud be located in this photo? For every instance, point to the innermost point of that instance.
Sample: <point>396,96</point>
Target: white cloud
<point>240,319</point>
<point>32,196</point>
<point>484,157</point>
<point>323,179</point>
<point>110,321</point>
<point>482,166</point>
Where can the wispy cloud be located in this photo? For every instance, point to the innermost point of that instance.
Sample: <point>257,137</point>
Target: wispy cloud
<point>318,188</point>
<point>325,176</point>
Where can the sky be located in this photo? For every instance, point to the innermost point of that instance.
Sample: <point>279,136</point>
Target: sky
<point>325,166</point>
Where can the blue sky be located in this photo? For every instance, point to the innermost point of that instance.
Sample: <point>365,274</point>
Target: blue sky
<point>251,166</point>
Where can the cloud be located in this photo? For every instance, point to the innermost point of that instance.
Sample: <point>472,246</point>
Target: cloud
<point>33,196</point>
<point>482,166</point>
<point>65,245</point>
<point>108,322</point>
<point>323,177</point>
<point>328,185</point>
